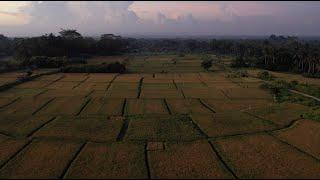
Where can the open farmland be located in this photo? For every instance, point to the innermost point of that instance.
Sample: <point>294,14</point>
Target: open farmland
<point>166,118</point>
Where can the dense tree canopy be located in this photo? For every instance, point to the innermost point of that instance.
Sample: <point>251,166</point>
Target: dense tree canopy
<point>274,53</point>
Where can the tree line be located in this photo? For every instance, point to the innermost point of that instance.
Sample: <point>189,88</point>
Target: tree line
<point>68,43</point>
<point>278,53</point>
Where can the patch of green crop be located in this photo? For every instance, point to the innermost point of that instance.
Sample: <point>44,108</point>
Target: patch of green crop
<point>313,114</point>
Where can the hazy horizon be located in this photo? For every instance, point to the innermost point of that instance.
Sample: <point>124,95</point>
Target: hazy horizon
<point>161,19</point>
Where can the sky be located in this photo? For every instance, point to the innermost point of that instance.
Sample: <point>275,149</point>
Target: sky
<point>161,18</point>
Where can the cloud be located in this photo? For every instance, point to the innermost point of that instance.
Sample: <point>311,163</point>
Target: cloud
<point>155,18</point>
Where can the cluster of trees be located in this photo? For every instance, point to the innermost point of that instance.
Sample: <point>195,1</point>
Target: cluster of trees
<point>68,43</point>
<point>164,45</point>
<point>274,53</point>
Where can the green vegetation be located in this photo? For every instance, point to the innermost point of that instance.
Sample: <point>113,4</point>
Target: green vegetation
<point>206,62</point>
<point>238,73</point>
<point>265,75</point>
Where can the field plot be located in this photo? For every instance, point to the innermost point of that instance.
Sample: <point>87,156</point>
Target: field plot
<point>188,78</point>
<point>186,106</point>
<point>5,80</point>
<point>15,93</point>
<point>50,78</point>
<point>280,114</point>
<point>64,106</point>
<point>230,123</point>
<point>90,86</point>
<point>100,78</point>
<point>186,160</point>
<point>222,85</point>
<point>157,80</point>
<point>213,77</point>
<point>304,134</point>
<point>95,128</point>
<point>235,104</point>
<point>63,85</point>
<point>63,93</point>
<point>145,106</point>
<point>74,77</point>
<point>24,106</point>
<point>204,92</point>
<point>262,156</point>
<point>160,90</point>
<point>123,90</point>
<point>33,84</point>
<point>128,78</point>
<point>22,125</point>
<point>162,127</point>
<point>9,147</point>
<point>6,101</point>
<point>40,159</point>
<point>104,106</point>
<point>167,117</point>
<point>109,161</point>
<point>247,93</point>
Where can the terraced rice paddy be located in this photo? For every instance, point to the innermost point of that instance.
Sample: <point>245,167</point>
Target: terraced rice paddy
<point>186,123</point>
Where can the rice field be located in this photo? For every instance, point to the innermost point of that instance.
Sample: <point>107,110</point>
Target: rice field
<point>167,118</point>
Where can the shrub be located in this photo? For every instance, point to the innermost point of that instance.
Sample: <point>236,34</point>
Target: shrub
<point>279,88</point>
<point>206,64</point>
<point>265,75</point>
<point>239,73</point>
<point>53,62</point>
<point>312,75</point>
<point>46,62</point>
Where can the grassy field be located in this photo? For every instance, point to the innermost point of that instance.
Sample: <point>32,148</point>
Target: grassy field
<point>166,118</point>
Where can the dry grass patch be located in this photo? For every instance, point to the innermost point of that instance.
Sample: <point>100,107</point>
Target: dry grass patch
<point>109,161</point>
<point>94,128</point>
<point>230,123</point>
<point>304,134</point>
<point>40,159</point>
<point>262,156</point>
<point>161,128</point>
<point>186,161</point>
